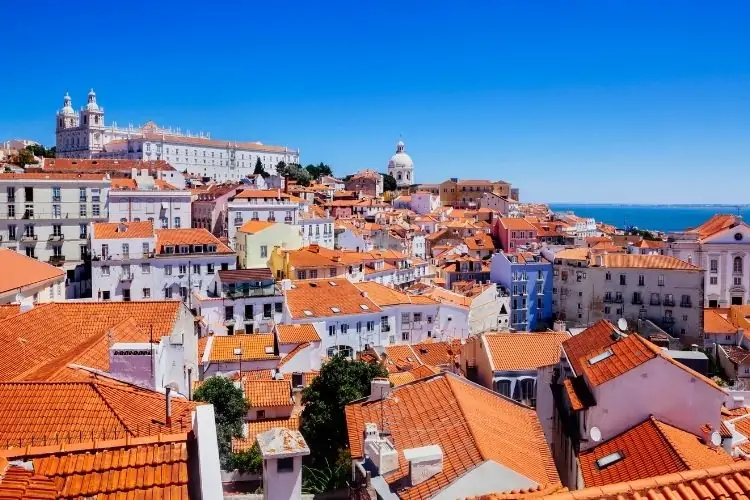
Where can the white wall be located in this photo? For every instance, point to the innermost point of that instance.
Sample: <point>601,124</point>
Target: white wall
<point>145,205</point>
<point>282,486</point>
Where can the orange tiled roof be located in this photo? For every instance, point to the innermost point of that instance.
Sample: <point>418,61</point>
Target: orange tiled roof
<point>266,393</point>
<point>418,373</point>
<point>154,467</point>
<point>575,402</point>
<point>715,322</point>
<point>255,226</point>
<point>470,423</point>
<point>51,176</point>
<point>252,347</point>
<point>594,338</point>
<point>102,165</point>
<point>318,297</point>
<point>517,224</point>
<point>438,353</point>
<point>524,351</point>
<point>19,271</point>
<point>385,296</point>
<point>117,230</point>
<point>120,184</point>
<point>400,357</point>
<point>42,413</point>
<point>715,224</point>
<point>481,241</point>
<point>578,253</point>
<point>17,483</point>
<point>200,236</point>
<point>637,261</point>
<point>77,332</point>
<point>7,310</point>
<point>258,193</point>
<point>297,334</point>
<point>256,427</point>
<point>651,448</point>
<point>291,354</point>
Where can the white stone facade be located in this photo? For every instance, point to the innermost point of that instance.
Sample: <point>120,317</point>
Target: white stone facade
<point>85,135</point>
<point>271,206</point>
<point>401,167</point>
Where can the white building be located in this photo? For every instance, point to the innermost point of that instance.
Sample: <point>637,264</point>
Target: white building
<point>721,247</point>
<point>85,135</point>
<point>46,216</point>
<point>25,280</point>
<point>143,198</point>
<point>268,205</point>
<point>134,261</point>
<point>424,202</point>
<point>316,227</point>
<point>401,167</point>
<point>241,301</point>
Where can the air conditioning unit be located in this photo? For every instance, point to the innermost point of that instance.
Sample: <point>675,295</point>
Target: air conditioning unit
<point>176,339</point>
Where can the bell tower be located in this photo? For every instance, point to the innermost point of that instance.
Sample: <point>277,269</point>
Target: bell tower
<point>66,122</point>
<point>92,118</point>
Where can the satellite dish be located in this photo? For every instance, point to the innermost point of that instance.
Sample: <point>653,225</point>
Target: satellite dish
<point>595,434</point>
<point>715,438</point>
<point>622,324</point>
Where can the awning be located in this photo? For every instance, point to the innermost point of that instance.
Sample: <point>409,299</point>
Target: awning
<point>164,205</point>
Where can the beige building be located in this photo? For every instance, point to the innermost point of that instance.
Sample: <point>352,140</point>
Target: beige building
<point>256,240</point>
<point>464,193</point>
<point>665,290</point>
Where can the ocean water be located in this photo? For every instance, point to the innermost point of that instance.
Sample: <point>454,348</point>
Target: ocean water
<point>655,217</point>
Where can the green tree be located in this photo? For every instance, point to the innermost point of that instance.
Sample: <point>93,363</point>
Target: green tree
<point>41,151</point>
<point>296,173</point>
<point>248,461</point>
<point>230,408</point>
<point>281,169</point>
<point>339,382</point>
<point>318,170</point>
<point>23,158</point>
<point>389,183</point>
<point>260,170</point>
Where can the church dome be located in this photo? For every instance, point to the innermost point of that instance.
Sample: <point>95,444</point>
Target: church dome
<point>68,105</point>
<point>92,105</point>
<point>400,159</point>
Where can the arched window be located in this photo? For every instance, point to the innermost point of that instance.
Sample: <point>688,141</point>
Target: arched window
<point>502,387</point>
<point>738,265</point>
<point>399,176</point>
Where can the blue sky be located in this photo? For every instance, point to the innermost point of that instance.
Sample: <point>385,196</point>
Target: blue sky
<point>582,101</point>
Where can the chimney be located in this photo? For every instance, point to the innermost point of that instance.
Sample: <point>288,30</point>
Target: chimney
<point>168,419</point>
<point>286,284</point>
<point>379,450</point>
<point>314,248</point>
<point>364,294</point>
<point>559,325</point>
<point>144,172</point>
<point>424,462</point>
<point>133,173</point>
<point>380,388</point>
<point>706,431</point>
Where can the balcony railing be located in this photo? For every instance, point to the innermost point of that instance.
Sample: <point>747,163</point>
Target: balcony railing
<point>57,260</point>
<point>637,302</point>
<point>126,276</point>
<point>608,299</point>
<point>238,222</point>
<point>287,219</point>
<point>386,328</point>
<point>267,291</point>
<point>229,321</point>
<point>687,304</point>
<point>617,300</point>
<point>669,302</point>
<point>668,320</point>
<point>655,302</point>
<point>28,237</point>
<point>56,237</point>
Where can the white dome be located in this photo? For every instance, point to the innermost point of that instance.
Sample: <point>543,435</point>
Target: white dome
<point>92,105</point>
<point>400,160</point>
<point>67,105</point>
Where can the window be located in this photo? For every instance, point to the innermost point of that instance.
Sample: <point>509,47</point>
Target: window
<point>417,317</point>
<point>737,281</point>
<point>125,250</point>
<point>313,274</point>
<point>105,270</point>
<point>359,327</point>
<point>606,309</point>
<point>641,280</point>
<point>12,232</point>
<point>145,248</point>
<point>623,280</point>
<point>278,307</point>
<point>182,269</point>
<point>145,268</point>
<point>177,223</point>
<point>737,267</point>
<point>263,251</point>
<point>714,265</point>
<point>82,211</point>
<point>83,230</point>
<point>146,293</point>
<point>168,269</point>
<point>301,275</point>
<point>405,318</point>
<point>105,251</point>
<point>285,465</point>
<point>661,280</point>
<point>126,294</point>
<point>105,295</point>
<point>502,387</point>
<point>267,309</point>
<point>405,335</point>
<point>95,211</point>
<point>714,280</point>
<point>196,268</point>
<point>333,272</point>
<point>82,194</point>
<point>228,312</point>
<point>344,329</point>
<point>12,210</point>
<point>429,320</point>
<point>384,326</point>
<point>260,414</point>
<point>600,357</point>
<point>331,330</point>
<point>55,210</point>
<point>610,459</point>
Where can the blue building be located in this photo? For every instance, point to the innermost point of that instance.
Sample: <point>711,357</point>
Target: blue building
<point>528,278</point>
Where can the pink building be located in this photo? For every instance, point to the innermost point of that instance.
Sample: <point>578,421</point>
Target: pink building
<point>209,207</point>
<point>513,233</point>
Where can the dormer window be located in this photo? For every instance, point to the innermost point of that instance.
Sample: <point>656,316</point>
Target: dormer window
<point>211,248</point>
<point>184,249</point>
<point>335,310</point>
<point>198,249</point>
<point>168,249</point>
<point>307,312</point>
<point>364,307</point>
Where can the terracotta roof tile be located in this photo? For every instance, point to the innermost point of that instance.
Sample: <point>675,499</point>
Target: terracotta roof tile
<point>593,339</point>
<point>716,323</point>
<point>20,271</point>
<point>256,427</point>
<point>174,237</point>
<point>7,310</point>
<point>516,224</point>
<point>318,297</point>
<point>297,333</point>
<point>267,393</point>
<point>118,230</point>
<point>77,332</point>
<point>651,448</point>
<point>102,165</point>
<point>418,373</point>
<point>441,353</point>
<point>43,413</point>
<point>155,467</point>
<point>291,354</point>
<point>575,400</point>
<point>579,253</point>
<point>251,347</point>
<point>271,194</point>
<point>637,261</point>
<point>400,358</point>
<point>52,176</point>
<point>17,483</point>
<point>524,351</point>
<point>256,226</point>
<point>385,296</point>
<point>715,224</point>
<point>475,425</point>
<point>481,241</point>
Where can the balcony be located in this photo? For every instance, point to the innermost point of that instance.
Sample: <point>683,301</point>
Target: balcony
<point>637,302</point>
<point>266,291</point>
<point>287,220</point>
<point>668,320</point>
<point>56,199</point>
<point>229,321</point>
<point>56,237</point>
<point>386,328</point>
<point>686,304</point>
<point>126,276</point>
<point>608,299</point>
<point>238,222</point>
<point>655,301</point>
<point>272,219</point>
<point>669,302</point>
<point>618,300</point>
<point>57,260</point>
<point>28,238</point>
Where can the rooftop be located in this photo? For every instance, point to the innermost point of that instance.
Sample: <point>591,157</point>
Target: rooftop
<point>715,224</point>
<point>268,393</point>
<point>297,333</point>
<point>523,351</point>
<point>256,226</point>
<point>235,348</point>
<point>385,296</point>
<point>637,261</point>
<point>327,297</point>
<point>470,424</point>
<point>20,271</point>
<point>188,236</point>
<point>119,230</point>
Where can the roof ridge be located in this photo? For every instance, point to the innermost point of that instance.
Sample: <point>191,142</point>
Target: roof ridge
<point>668,440</point>
<point>95,445</point>
<point>108,405</point>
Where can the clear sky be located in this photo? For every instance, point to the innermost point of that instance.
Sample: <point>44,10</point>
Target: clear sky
<point>598,101</point>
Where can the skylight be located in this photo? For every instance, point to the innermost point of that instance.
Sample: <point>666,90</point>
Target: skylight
<point>307,312</point>
<point>335,309</point>
<point>364,307</point>
<point>610,459</point>
<point>600,357</point>
<point>332,283</point>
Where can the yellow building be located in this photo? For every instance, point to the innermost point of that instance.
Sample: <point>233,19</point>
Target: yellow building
<point>465,193</point>
<point>256,240</point>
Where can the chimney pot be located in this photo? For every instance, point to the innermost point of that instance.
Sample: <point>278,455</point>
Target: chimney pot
<point>380,388</point>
